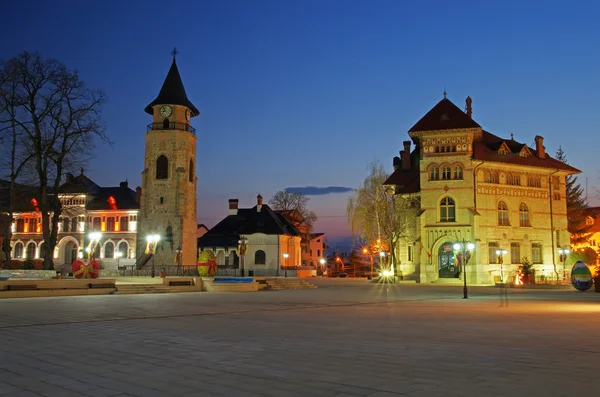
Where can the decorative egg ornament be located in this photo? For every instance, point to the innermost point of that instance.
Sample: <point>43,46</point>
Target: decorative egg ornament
<point>581,276</point>
<point>207,264</point>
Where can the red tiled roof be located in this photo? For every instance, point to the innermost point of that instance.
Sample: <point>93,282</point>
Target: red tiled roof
<point>445,115</point>
<point>405,181</point>
<point>487,150</point>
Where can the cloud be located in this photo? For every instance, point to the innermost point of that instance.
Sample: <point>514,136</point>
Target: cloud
<point>318,191</point>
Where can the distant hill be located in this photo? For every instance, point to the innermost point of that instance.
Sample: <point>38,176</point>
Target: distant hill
<point>343,244</point>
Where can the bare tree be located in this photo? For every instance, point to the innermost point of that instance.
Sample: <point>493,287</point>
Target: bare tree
<point>58,118</point>
<point>381,218</point>
<point>294,206</point>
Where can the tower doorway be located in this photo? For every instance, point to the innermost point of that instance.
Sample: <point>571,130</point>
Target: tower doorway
<point>446,267</point>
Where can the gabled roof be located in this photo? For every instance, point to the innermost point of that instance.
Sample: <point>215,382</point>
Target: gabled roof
<point>445,115</point>
<point>124,199</point>
<point>484,150</point>
<point>172,92</point>
<point>79,184</point>
<point>248,221</point>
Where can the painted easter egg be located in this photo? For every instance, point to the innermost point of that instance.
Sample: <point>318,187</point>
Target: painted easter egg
<point>581,276</point>
<point>207,264</point>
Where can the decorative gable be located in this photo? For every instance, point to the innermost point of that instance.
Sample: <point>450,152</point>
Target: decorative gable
<point>525,152</point>
<point>504,149</point>
<point>589,221</point>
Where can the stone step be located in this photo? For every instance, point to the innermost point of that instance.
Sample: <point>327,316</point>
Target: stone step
<point>123,289</point>
<point>449,281</point>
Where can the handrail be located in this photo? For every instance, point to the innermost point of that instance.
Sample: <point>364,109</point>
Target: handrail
<point>171,125</point>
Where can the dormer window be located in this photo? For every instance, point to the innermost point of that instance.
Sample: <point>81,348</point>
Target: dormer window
<point>589,221</point>
<point>504,149</point>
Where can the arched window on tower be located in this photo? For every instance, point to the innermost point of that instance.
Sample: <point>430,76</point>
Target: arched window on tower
<point>162,167</point>
<point>260,258</point>
<point>447,210</point>
<point>191,170</point>
<point>165,124</point>
<point>503,214</point>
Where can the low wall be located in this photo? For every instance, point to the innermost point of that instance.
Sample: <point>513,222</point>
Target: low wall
<point>56,287</point>
<point>225,287</point>
<point>196,284</point>
<point>44,274</point>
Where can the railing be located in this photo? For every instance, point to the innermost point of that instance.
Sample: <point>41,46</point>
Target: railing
<point>142,260</point>
<point>171,125</point>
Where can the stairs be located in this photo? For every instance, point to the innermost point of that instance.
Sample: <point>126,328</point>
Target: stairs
<point>128,289</point>
<point>278,284</point>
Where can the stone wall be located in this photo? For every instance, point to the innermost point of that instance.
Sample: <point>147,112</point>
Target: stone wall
<point>45,274</point>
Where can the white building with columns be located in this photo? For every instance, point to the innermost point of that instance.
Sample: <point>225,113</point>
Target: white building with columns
<point>272,243</point>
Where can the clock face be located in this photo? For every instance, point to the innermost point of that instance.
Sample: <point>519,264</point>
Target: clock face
<point>165,111</point>
<point>188,114</point>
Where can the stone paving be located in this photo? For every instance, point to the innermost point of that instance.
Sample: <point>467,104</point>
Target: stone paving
<point>347,338</point>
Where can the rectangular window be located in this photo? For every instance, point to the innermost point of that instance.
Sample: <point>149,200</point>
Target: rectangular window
<point>110,224</point>
<point>318,252</point>
<point>123,224</point>
<point>536,253</point>
<point>515,253</point>
<point>492,247</point>
<point>96,225</point>
<point>410,254</point>
<point>20,225</point>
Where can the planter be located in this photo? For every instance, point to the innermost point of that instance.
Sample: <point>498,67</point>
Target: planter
<point>597,283</point>
<point>162,274</point>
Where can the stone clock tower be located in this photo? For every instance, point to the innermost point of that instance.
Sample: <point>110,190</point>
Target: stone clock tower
<point>168,197</point>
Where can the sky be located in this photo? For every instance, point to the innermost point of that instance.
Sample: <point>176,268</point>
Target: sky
<point>308,93</point>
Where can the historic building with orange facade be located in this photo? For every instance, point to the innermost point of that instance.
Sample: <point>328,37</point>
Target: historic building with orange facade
<point>471,186</point>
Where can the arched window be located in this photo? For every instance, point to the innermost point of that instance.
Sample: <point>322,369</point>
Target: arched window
<point>510,180</point>
<point>65,225</point>
<point>434,174</point>
<point>495,178</point>
<point>191,170</point>
<point>162,167</point>
<point>458,174</point>
<point>30,250</point>
<point>488,177</point>
<point>165,124</point>
<point>74,224</point>
<point>503,214</point>
<point>524,215</point>
<point>446,173</point>
<point>18,251</point>
<point>260,257</point>
<point>109,250</point>
<point>123,248</point>
<point>447,210</point>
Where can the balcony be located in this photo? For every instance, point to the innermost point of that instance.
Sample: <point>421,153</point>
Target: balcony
<point>171,125</point>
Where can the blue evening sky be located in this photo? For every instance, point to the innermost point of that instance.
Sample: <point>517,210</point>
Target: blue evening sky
<point>307,93</point>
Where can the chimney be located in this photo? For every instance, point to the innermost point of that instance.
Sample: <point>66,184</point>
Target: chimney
<point>138,194</point>
<point>468,109</point>
<point>406,156</point>
<point>68,177</point>
<point>233,206</point>
<point>124,185</point>
<point>258,203</point>
<point>397,162</point>
<point>539,147</point>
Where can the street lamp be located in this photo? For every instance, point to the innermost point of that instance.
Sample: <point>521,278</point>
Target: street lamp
<point>94,240</point>
<point>243,243</point>
<point>179,251</point>
<point>563,252</point>
<point>285,256</point>
<point>152,240</point>
<point>341,262</point>
<point>466,248</point>
<point>366,251</point>
<point>322,261</point>
<point>500,253</point>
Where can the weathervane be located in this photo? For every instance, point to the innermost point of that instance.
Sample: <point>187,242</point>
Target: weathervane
<point>174,53</point>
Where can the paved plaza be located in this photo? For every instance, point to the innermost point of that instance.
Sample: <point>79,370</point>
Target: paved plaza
<point>347,338</point>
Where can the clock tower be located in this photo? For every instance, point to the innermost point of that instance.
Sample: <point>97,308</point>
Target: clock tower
<point>168,197</point>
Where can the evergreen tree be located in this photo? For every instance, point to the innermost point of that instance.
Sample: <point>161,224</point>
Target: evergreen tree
<point>576,206</point>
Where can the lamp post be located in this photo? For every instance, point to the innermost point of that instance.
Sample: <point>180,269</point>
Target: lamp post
<point>285,256</point>
<point>152,240</point>
<point>382,259</point>
<point>243,243</point>
<point>179,251</point>
<point>94,240</point>
<point>563,252</point>
<point>366,251</point>
<point>322,261</point>
<point>466,248</point>
<point>500,253</point>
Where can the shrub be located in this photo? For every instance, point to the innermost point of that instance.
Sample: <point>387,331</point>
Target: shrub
<point>526,266</point>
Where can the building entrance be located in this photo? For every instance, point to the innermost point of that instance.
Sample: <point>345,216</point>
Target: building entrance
<point>446,266</point>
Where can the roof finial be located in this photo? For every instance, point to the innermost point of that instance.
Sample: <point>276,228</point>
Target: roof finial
<point>512,136</point>
<point>174,53</point>
<point>81,170</point>
<point>445,93</point>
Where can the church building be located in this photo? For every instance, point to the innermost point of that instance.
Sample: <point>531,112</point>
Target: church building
<point>505,198</point>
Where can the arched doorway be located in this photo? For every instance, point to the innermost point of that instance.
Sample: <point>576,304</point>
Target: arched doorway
<point>446,266</point>
<point>70,252</point>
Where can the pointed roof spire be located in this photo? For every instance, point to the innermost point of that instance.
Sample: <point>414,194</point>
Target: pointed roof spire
<point>172,91</point>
